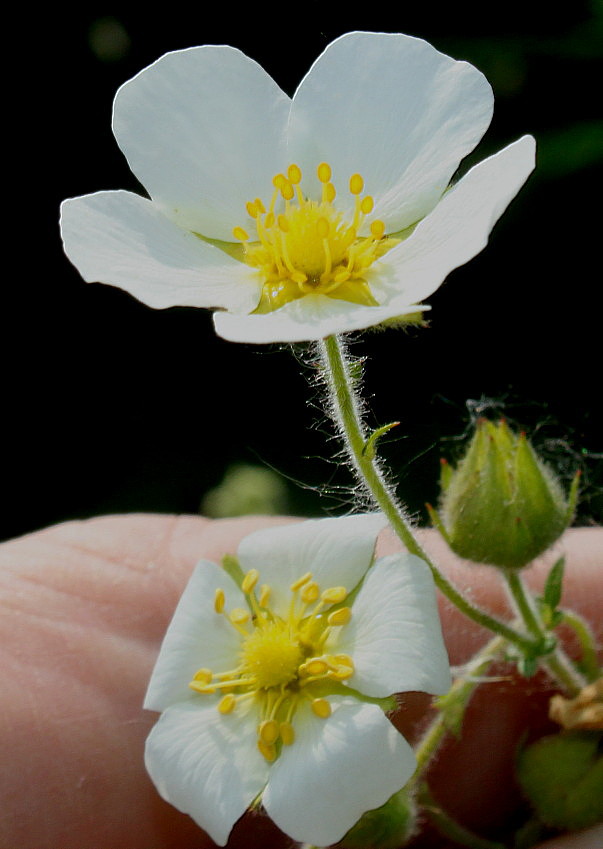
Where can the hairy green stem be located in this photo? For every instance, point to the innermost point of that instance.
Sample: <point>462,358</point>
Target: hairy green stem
<point>454,702</point>
<point>347,415</point>
<point>556,663</point>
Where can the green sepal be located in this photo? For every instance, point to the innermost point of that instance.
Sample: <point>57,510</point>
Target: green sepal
<point>388,827</point>
<point>232,567</point>
<point>549,601</point>
<point>336,688</point>
<point>554,584</point>
<point>562,776</point>
<point>368,449</point>
<point>446,473</point>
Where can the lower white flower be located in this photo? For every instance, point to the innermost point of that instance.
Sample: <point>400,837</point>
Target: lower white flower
<point>269,685</point>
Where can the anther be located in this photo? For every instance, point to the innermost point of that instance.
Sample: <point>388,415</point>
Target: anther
<point>227,703</point>
<point>296,585</point>
<point>203,676</point>
<point>287,733</point>
<point>377,229</point>
<point>240,234</point>
<point>264,595</point>
<point>356,184</point>
<point>334,595</point>
<point>259,205</point>
<point>328,192</point>
<point>321,708</point>
<point>324,172</point>
<point>268,751</point>
<point>294,174</point>
<point>366,205</point>
<point>250,580</point>
<point>269,221</point>
<point>239,616</point>
<point>269,731</point>
<point>287,190</point>
<point>314,667</point>
<point>278,180</point>
<point>340,617</point>
<point>219,600</point>
<point>252,208</point>
<point>310,592</point>
<point>283,223</point>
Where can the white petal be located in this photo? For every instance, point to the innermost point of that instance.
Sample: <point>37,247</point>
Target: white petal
<point>336,551</point>
<point>336,769</point>
<point>395,635</point>
<point>123,239</point>
<point>196,638</point>
<point>203,130</point>
<point>394,109</point>
<point>308,318</point>
<point>207,764</point>
<point>459,226</point>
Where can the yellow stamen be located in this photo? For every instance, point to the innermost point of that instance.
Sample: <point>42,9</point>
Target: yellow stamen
<point>264,595</point>
<point>219,600</point>
<point>203,676</point>
<point>366,205</point>
<point>239,616</point>
<point>377,229</point>
<point>324,172</point>
<point>269,731</point>
<point>334,595</point>
<point>296,585</point>
<point>340,617</point>
<point>321,708</point>
<point>240,234</point>
<point>250,580</point>
<point>310,592</point>
<point>294,174</point>
<point>313,667</point>
<point>227,703</point>
<point>356,184</point>
<point>268,751</point>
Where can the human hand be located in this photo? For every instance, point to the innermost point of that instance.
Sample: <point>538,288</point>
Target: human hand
<point>84,608</point>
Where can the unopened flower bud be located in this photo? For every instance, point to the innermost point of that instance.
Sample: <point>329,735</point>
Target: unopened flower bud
<point>502,505</point>
<point>387,827</point>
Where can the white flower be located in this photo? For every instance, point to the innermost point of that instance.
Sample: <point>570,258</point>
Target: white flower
<point>264,686</point>
<point>258,204</point>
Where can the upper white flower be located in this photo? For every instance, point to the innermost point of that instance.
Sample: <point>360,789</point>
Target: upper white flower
<point>263,683</point>
<point>298,218</point>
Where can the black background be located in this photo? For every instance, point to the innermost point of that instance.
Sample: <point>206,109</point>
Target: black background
<point>111,406</point>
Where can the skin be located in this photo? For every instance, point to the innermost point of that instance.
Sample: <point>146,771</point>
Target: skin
<point>83,607</point>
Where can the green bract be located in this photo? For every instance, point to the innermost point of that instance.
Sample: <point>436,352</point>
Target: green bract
<point>502,505</point>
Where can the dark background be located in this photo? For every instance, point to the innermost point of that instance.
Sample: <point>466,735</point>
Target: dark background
<point>111,406</point>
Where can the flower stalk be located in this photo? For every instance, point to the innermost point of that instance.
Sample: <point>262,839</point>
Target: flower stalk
<point>346,412</point>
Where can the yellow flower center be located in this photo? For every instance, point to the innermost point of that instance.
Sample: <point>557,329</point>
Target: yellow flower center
<point>307,247</point>
<point>282,661</point>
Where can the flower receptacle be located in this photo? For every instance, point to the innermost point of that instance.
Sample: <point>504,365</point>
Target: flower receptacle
<point>501,505</point>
